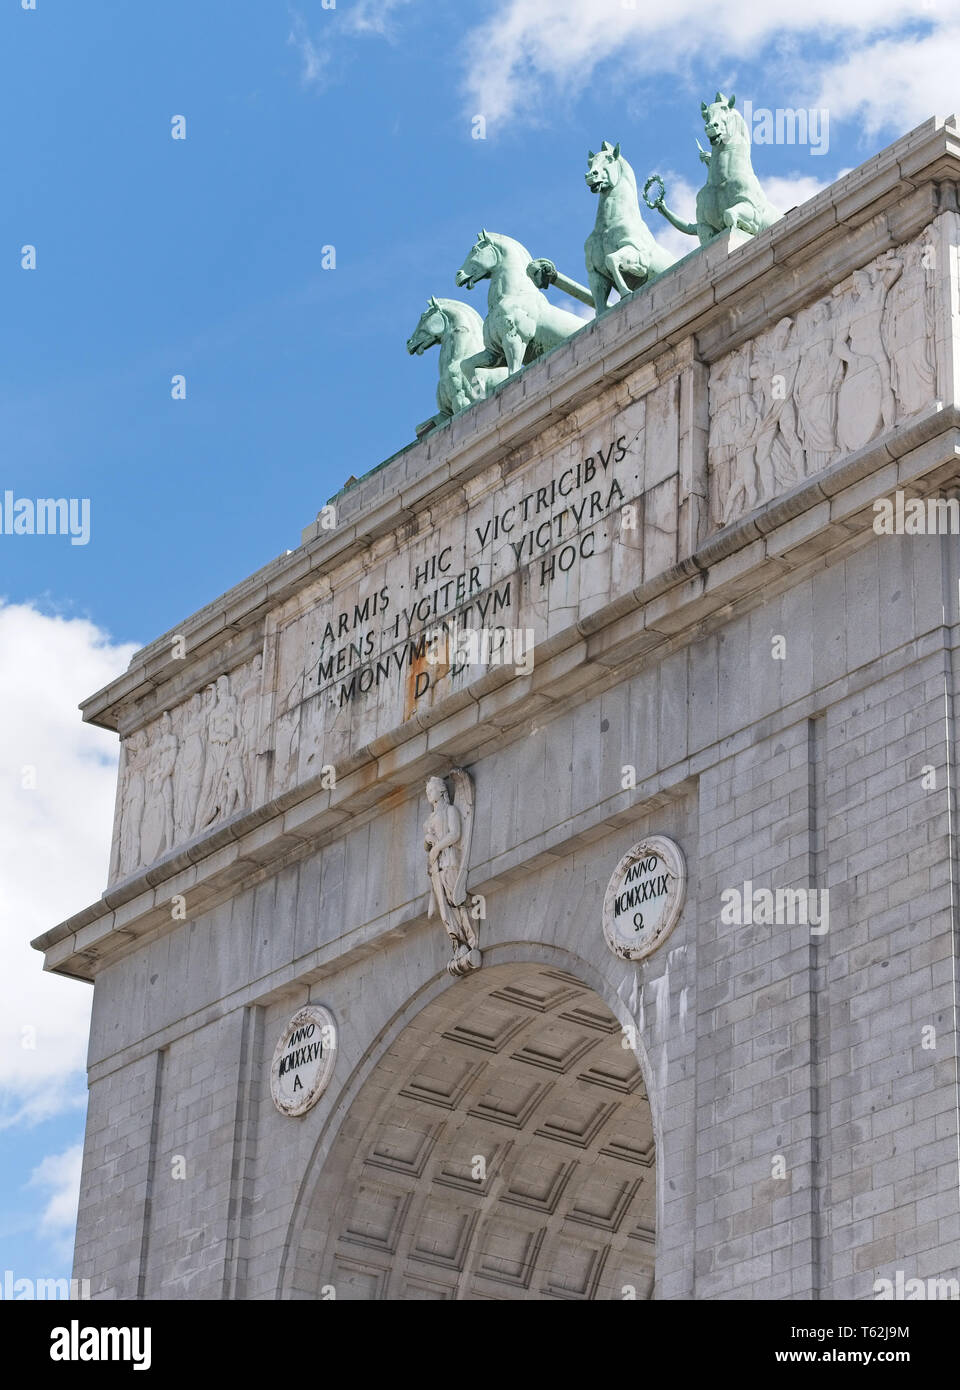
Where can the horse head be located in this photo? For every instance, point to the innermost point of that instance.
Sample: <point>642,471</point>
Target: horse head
<point>604,169</point>
<point>429,330</point>
<point>723,125</point>
<point>482,260</point>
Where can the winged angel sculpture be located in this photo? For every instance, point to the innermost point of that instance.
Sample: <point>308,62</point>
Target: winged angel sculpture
<point>447,837</point>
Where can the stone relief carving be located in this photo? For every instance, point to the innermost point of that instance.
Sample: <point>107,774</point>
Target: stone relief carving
<point>157,821</point>
<point>819,371</point>
<point>447,838</point>
<point>865,401</point>
<point>845,369</point>
<point>191,758</point>
<point>134,796</point>
<point>778,452</point>
<point>222,775</point>
<point>189,770</point>
<point>910,327</point>
<point>249,716</point>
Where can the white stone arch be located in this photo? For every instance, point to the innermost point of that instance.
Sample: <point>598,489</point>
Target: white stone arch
<point>365,1109</point>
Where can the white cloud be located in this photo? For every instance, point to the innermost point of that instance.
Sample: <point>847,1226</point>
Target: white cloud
<point>364,18</point>
<point>59,1175</point>
<point>898,81</point>
<point>521,56</point>
<point>315,61</point>
<point>795,189</point>
<point>373,16</point>
<point>55,848</point>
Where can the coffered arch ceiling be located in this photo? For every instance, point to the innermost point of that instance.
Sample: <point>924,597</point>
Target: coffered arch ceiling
<point>501,1149</point>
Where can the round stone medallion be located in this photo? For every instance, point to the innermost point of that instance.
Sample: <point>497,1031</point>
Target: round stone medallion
<point>303,1060</point>
<point>644,897</point>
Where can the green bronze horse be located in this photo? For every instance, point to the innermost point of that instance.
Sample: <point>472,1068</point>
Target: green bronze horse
<point>621,252</point>
<point>458,328</point>
<point>521,323</point>
<point>731,196</point>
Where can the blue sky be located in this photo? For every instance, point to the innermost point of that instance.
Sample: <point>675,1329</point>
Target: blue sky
<point>306,127</point>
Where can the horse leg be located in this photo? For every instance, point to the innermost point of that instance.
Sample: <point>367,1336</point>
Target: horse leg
<point>635,264</point>
<point>514,350</point>
<point>616,274</point>
<point>742,215</point>
<point>600,288</point>
<point>464,397</point>
<point>475,385</point>
<point>457,393</point>
<point>485,360</point>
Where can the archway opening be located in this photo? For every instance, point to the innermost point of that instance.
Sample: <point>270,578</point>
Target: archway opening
<point>502,1148</point>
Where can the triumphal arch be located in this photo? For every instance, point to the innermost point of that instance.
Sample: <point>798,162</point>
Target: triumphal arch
<point>540,884</point>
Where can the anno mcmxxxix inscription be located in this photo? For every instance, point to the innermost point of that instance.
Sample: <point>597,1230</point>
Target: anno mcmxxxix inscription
<point>644,897</point>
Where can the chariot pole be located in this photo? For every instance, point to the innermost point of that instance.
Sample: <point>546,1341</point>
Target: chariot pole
<point>544,273</point>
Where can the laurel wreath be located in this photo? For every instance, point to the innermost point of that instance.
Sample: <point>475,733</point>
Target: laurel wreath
<point>654,178</point>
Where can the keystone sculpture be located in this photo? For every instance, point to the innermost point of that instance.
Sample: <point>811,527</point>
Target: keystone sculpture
<point>447,837</point>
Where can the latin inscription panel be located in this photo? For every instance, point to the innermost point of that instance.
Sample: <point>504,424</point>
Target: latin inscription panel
<point>518,554</point>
